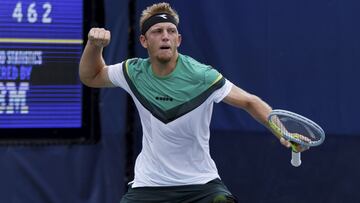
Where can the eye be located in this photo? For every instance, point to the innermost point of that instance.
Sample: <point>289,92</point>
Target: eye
<point>156,31</point>
<point>172,30</point>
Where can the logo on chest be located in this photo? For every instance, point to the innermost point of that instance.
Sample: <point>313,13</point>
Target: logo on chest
<point>164,98</point>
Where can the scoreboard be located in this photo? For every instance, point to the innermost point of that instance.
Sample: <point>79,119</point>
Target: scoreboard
<point>40,47</point>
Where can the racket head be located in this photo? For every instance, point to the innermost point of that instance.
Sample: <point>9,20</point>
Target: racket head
<point>296,128</point>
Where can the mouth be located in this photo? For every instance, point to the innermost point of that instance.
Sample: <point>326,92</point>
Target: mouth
<point>165,47</point>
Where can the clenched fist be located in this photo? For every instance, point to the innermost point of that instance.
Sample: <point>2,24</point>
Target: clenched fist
<point>99,37</point>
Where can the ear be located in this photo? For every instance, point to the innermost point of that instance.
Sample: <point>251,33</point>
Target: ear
<point>179,40</point>
<point>143,40</point>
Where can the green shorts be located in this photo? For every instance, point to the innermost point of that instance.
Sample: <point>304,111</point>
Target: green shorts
<point>212,192</point>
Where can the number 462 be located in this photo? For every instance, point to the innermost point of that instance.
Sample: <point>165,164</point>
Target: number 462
<point>32,15</point>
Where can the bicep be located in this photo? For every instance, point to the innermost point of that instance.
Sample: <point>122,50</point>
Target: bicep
<point>238,97</point>
<point>101,79</point>
<point>250,103</point>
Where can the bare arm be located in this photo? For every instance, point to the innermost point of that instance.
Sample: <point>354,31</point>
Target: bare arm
<point>92,69</point>
<point>255,106</point>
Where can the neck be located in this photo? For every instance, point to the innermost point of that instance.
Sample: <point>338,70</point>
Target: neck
<point>160,68</point>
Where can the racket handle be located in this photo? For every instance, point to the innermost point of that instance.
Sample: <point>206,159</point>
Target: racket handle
<point>295,158</point>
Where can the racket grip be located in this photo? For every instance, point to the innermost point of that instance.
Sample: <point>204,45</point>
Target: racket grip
<point>295,158</point>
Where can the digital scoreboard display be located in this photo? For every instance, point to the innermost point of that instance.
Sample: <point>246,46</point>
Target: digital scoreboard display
<point>40,47</point>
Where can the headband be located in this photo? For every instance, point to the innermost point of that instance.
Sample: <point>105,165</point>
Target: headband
<point>157,18</point>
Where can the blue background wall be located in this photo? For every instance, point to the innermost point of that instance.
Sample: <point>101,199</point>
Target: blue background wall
<point>302,56</point>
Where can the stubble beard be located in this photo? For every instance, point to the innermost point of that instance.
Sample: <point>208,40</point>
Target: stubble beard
<point>165,58</point>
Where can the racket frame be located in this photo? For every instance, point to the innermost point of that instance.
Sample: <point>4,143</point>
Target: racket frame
<point>301,119</point>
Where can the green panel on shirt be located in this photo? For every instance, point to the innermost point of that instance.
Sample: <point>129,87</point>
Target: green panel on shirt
<point>188,80</point>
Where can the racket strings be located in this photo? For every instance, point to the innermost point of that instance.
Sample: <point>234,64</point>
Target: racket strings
<point>286,127</point>
<point>301,138</point>
<point>277,125</point>
<point>296,128</point>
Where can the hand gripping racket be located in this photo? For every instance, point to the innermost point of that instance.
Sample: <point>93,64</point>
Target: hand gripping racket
<point>297,129</point>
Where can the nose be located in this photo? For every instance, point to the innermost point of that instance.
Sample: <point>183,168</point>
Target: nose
<point>165,35</point>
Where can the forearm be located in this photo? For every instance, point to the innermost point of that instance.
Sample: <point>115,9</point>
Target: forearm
<point>260,110</point>
<point>255,106</point>
<point>92,68</point>
<point>91,63</point>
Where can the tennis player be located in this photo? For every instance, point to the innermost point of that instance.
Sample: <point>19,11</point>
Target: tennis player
<point>174,95</point>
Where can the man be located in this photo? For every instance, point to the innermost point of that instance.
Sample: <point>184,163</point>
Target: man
<point>174,95</point>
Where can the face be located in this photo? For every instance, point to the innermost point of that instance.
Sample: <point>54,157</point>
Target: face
<point>161,41</point>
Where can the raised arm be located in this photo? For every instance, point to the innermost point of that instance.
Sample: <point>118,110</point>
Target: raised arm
<point>255,106</point>
<point>92,69</point>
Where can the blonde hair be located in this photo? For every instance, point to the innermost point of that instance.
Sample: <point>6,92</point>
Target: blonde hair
<point>158,8</point>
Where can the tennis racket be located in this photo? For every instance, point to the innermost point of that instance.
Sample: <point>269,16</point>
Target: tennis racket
<point>297,129</point>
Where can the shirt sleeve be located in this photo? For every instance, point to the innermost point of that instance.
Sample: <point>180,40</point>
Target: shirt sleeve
<point>116,76</point>
<point>221,93</point>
